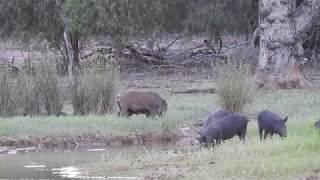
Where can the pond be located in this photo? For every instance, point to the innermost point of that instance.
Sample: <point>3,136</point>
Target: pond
<point>57,163</point>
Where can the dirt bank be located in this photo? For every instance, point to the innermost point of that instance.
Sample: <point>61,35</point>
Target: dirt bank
<point>91,139</point>
<point>182,137</point>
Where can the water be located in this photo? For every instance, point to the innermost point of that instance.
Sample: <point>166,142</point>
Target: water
<point>56,164</point>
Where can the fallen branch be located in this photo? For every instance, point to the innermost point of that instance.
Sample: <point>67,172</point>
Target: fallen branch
<point>166,66</point>
<point>143,87</point>
<point>174,41</point>
<point>191,91</point>
<point>146,56</point>
<point>187,50</point>
<point>238,45</point>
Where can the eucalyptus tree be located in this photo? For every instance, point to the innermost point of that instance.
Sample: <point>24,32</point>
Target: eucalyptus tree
<point>284,27</point>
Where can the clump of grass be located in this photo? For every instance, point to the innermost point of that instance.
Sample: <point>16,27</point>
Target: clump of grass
<point>95,91</point>
<point>235,87</point>
<point>29,101</point>
<point>47,85</point>
<point>8,95</point>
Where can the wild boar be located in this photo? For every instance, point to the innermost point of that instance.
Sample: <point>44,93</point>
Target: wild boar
<point>271,123</point>
<point>225,128</point>
<point>214,116</point>
<point>217,114</point>
<point>211,135</point>
<point>141,102</point>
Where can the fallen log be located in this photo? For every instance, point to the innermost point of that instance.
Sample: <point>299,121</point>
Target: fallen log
<point>146,56</point>
<point>191,91</point>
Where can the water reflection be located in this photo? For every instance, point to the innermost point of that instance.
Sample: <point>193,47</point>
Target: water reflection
<point>57,164</point>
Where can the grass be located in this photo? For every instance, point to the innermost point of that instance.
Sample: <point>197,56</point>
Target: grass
<point>8,95</point>
<point>295,157</point>
<point>95,91</point>
<point>235,87</point>
<point>274,159</point>
<point>182,111</point>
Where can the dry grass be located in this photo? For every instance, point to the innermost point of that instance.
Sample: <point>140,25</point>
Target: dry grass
<point>8,95</point>
<point>47,84</point>
<point>235,87</point>
<point>95,91</point>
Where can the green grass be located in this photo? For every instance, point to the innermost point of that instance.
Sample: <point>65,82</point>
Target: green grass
<point>182,110</point>
<point>295,157</point>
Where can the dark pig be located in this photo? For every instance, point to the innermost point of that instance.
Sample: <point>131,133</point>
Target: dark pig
<point>225,128</point>
<point>216,115</point>
<point>271,123</point>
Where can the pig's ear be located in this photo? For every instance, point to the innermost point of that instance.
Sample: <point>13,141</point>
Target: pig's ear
<point>285,119</point>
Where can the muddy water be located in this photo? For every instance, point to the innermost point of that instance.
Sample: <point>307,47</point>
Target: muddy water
<point>57,164</point>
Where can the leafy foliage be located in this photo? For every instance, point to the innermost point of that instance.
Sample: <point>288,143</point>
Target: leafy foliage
<point>220,16</point>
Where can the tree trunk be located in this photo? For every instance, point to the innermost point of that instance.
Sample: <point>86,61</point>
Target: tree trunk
<point>69,57</point>
<point>282,28</point>
<point>74,39</point>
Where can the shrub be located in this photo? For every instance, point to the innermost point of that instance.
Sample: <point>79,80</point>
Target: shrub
<point>95,90</point>
<point>235,87</point>
<point>29,102</point>
<point>47,85</point>
<point>8,95</point>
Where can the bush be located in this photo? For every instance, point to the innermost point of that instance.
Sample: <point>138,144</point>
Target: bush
<point>25,93</point>
<point>47,85</point>
<point>95,91</point>
<point>29,101</point>
<point>235,87</point>
<point>8,95</point>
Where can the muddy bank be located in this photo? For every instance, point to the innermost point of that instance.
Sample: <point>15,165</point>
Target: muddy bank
<point>90,139</point>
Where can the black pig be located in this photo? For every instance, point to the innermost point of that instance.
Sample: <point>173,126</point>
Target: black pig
<point>271,123</point>
<point>225,128</point>
<point>216,115</point>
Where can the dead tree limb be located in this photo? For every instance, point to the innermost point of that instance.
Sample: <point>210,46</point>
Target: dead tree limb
<point>146,56</point>
<point>191,91</point>
<point>238,45</point>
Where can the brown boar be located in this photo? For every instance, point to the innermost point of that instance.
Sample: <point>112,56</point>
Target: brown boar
<point>141,102</point>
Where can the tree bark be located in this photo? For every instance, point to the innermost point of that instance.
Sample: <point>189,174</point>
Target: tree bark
<point>282,29</point>
<point>69,57</point>
<point>74,39</point>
